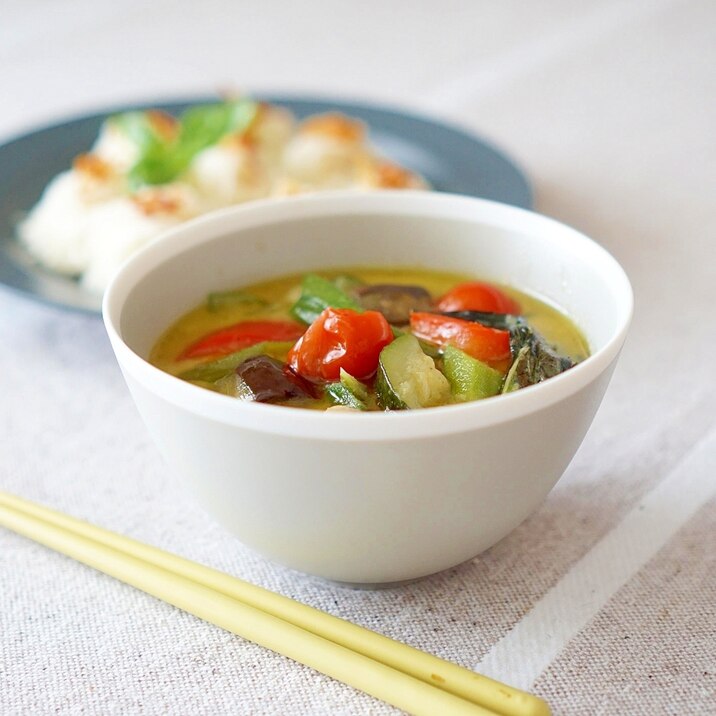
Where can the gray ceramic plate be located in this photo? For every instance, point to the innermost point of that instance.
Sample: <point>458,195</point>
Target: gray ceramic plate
<point>451,159</point>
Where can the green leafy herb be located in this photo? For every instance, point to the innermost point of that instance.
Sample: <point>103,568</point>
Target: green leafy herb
<point>317,294</point>
<point>161,160</point>
<point>137,127</point>
<point>202,126</point>
<point>534,360</point>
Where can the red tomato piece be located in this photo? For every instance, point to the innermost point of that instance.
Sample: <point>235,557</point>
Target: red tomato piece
<point>481,342</point>
<point>477,296</point>
<point>242,335</point>
<point>341,338</point>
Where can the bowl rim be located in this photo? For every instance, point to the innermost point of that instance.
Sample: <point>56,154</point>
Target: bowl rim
<point>370,426</point>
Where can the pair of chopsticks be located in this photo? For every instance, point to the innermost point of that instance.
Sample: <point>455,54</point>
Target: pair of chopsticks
<point>412,680</point>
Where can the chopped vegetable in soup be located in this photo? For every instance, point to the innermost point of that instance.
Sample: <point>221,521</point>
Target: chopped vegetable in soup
<point>370,339</point>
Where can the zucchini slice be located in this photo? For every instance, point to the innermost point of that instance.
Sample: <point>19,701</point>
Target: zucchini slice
<point>408,379</point>
<point>354,385</point>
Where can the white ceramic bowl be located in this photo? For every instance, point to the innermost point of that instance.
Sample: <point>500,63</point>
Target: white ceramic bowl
<point>378,497</point>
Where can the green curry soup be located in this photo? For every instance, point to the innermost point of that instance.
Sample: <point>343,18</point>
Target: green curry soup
<point>364,339</point>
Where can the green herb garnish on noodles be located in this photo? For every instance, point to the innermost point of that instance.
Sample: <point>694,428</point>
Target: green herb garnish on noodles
<point>161,160</point>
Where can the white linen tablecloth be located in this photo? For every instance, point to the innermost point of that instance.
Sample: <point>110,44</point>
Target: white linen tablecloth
<point>602,601</point>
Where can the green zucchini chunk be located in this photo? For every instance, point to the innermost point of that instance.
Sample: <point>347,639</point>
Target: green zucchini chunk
<point>470,379</point>
<point>407,378</point>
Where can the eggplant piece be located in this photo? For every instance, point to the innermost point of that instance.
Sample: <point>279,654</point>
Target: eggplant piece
<point>212,371</point>
<point>267,380</point>
<point>394,301</point>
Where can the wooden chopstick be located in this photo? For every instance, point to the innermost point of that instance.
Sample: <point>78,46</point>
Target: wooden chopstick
<point>375,678</point>
<point>397,673</point>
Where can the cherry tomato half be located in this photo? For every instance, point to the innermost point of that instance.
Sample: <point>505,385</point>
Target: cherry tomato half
<point>481,342</point>
<point>477,296</point>
<point>242,335</point>
<point>341,338</point>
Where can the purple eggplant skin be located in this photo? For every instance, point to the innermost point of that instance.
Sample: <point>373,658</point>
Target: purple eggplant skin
<point>269,380</point>
<point>395,301</point>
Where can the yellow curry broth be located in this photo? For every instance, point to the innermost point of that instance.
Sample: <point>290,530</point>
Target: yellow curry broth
<point>281,293</point>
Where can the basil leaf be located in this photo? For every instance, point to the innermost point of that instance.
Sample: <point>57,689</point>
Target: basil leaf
<point>158,166</point>
<point>205,125</point>
<point>200,127</point>
<point>137,127</point>
<point>534,360</point>
<point>317,294</point>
